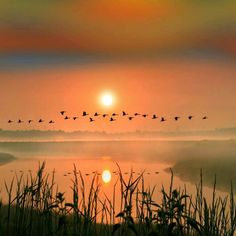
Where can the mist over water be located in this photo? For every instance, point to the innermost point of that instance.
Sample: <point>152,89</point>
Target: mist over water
<point>186,158</point>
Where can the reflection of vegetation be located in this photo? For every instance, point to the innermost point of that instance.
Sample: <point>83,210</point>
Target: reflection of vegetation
<point>5,157</point>
<point>188,170</point>
<point>38,208</point>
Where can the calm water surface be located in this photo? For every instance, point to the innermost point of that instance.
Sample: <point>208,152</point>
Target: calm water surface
<point>186,158</point>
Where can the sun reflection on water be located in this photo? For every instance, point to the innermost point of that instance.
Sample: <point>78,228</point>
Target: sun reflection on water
<point>106,176</point>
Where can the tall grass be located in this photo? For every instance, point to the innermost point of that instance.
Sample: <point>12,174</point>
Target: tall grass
<point>34,206</point>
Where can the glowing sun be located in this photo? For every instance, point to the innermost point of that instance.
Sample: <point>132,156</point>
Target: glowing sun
<point>106,176</point>
<point>107,99</point>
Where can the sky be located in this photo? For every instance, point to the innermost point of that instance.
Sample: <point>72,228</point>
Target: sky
<point>121,27</point>
<point>164,57</point>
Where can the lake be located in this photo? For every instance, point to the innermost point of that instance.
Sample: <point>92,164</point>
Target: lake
<point>186,158</point>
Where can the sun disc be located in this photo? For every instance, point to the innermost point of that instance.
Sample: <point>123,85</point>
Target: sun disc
<point>106,176</point>
<point>107,99</point>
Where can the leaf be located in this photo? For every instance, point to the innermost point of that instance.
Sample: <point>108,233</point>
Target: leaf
<point>60,197</point>
<point>184,196</point>
<point>156,205</point>
<point>161,214</point>
<point>69,205</point>
<point>194,224</point>
<point>133,229</point>
<point>53,206</point>
<point>121,214</point>
<point>171,227</point>
<point>175,194</point>
<point>181,207</point>
<point>145,193</point>
<point>130,219</point>
<point>128,208</point>
<point>147,221</point>
<point>115,228</point>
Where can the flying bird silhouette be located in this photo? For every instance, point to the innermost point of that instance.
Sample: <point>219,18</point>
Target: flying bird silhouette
<point>176,118</point>
<point>66,117</point>
<point>124,113</point>
<point>112,119</point>
<point>96,114</point>
<point>40,121</point>
<point>75,117</point>
<point>84,113</point>
<point>190,117</point>
<point>30,121</point>
<point>163,119</point>
<point>10,121</point>
<point>145,115</point>
<point>137,114</point>
<point>204,117</point>
<point>20,121</point>
<point>114,114</point>
<point>63,112</point>
<point>104,115</point>
<point>131,117</point>
<point>51,122</point>
<point>154,117</point>
<point>91,119</point>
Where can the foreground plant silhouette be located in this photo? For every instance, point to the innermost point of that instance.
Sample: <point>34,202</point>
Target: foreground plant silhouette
<point>34,206</point>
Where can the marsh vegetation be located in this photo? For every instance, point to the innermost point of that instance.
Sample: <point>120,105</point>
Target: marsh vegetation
<point>35,206</point>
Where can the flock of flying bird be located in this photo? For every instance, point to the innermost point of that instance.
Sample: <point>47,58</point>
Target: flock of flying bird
<point>112,117</point>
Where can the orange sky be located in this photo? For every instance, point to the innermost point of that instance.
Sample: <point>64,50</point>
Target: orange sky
<point>165,57</point>
<point>166,87</point>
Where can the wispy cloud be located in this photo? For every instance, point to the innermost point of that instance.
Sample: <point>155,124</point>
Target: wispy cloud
<point>117,27</point>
